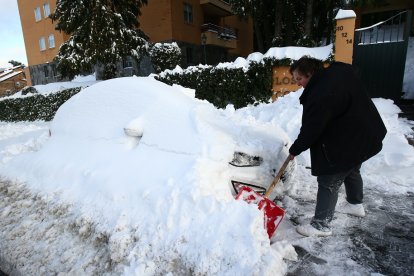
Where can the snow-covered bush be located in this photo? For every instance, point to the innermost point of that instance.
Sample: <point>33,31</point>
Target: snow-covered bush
<point>34,107</point>
<point>165,56</point>
<point>223,86</point>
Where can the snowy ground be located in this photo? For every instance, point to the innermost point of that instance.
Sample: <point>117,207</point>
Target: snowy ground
<point>92,200</point>
<point>44,230</point>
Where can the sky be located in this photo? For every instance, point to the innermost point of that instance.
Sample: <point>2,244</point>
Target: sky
<point>11,35</point>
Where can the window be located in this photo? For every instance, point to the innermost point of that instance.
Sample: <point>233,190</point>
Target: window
<point>38,15</point>
<point>42,44</point>
<point>188,13</point>
<point>51,41</point>
<point>127,62</point>
<point>46,9</point>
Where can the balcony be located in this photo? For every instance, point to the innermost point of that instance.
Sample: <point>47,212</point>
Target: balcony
<point>216,7</point>
<point>219,36</point>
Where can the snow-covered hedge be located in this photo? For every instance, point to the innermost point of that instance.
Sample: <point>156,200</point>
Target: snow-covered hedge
<point>34,107</point>
<point>228,85</point>
<point>165,56</point>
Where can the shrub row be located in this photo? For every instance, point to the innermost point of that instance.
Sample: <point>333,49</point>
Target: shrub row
<point>34,107</point>
<point>223,86</point>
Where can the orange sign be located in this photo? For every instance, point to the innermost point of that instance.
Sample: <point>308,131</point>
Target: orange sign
<point>283,82</point>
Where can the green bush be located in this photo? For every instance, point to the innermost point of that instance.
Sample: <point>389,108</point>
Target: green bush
<point>223,86</point>
<point>165,56</point>
<point>34,107</point>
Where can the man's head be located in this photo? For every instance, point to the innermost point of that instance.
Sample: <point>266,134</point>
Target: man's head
<point>304,68</point>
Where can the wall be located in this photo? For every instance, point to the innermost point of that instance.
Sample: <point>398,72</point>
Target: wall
<point>156,22</point>
<point>33,31</point>
<point>244,31</point>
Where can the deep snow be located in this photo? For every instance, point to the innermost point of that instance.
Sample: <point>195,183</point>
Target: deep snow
<point>90,199</point>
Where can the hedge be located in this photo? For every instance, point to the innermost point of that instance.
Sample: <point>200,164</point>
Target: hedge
<point>34,107</point>
<point>223,86</point>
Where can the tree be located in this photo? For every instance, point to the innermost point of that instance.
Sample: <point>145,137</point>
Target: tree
<point>101,32</point>
<point>15,63</point>
<point>288,22</point>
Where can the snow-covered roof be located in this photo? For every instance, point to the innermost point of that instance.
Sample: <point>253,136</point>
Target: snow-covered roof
<point>8,76</point>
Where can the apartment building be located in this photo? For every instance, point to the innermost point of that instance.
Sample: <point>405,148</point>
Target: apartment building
<point>206,30</point>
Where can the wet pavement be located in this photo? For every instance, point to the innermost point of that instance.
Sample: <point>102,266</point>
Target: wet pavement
<point>389,249</point>
<point>382,242</point>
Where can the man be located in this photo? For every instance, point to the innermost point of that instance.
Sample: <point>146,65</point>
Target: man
<point>342,128</point>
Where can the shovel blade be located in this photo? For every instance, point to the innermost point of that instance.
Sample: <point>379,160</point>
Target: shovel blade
<point>273,214</point>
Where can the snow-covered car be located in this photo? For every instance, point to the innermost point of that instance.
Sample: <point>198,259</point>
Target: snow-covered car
<point>170,119</point>
<point>136,179</point>
<point>246,169</point>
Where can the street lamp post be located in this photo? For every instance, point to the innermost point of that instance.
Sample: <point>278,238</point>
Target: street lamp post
<point>203,42</point>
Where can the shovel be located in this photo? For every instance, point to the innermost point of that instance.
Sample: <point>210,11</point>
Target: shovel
<point>273,214</point>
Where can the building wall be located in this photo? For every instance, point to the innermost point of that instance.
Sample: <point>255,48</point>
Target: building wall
<point>33,31</point>
<point>244,30</point>
<point>183,31</point>
<point>156,22</point>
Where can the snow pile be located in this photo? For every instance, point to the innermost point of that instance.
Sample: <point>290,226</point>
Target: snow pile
<point>107,203</point>
<point>135,178</point>
<point>162,200</point>
<point>393,165</point>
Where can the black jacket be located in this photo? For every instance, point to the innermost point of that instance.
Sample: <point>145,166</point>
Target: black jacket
<point>340,123</point>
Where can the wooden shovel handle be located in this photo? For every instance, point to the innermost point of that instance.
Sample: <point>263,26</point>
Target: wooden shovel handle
<point>278,176</point>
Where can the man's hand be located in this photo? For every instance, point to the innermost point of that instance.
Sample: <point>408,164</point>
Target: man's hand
<point>291,156</point>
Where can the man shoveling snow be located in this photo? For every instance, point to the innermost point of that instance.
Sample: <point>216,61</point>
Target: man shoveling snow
<point>342,128</point>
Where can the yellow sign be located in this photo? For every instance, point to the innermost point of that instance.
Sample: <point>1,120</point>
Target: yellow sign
<point>344,43</point>
<point>283,82</point>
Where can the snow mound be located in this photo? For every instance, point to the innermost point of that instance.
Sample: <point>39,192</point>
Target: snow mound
<point>162,199</point>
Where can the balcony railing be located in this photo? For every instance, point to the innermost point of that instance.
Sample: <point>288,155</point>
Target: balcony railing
<point>219,36</point>
<point>222,32</point>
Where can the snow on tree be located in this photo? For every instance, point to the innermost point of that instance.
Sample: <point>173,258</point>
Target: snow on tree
<point>288,23</point>
<point>101,32</point>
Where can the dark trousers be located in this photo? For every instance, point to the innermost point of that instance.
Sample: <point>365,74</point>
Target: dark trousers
<point>328,187</point>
